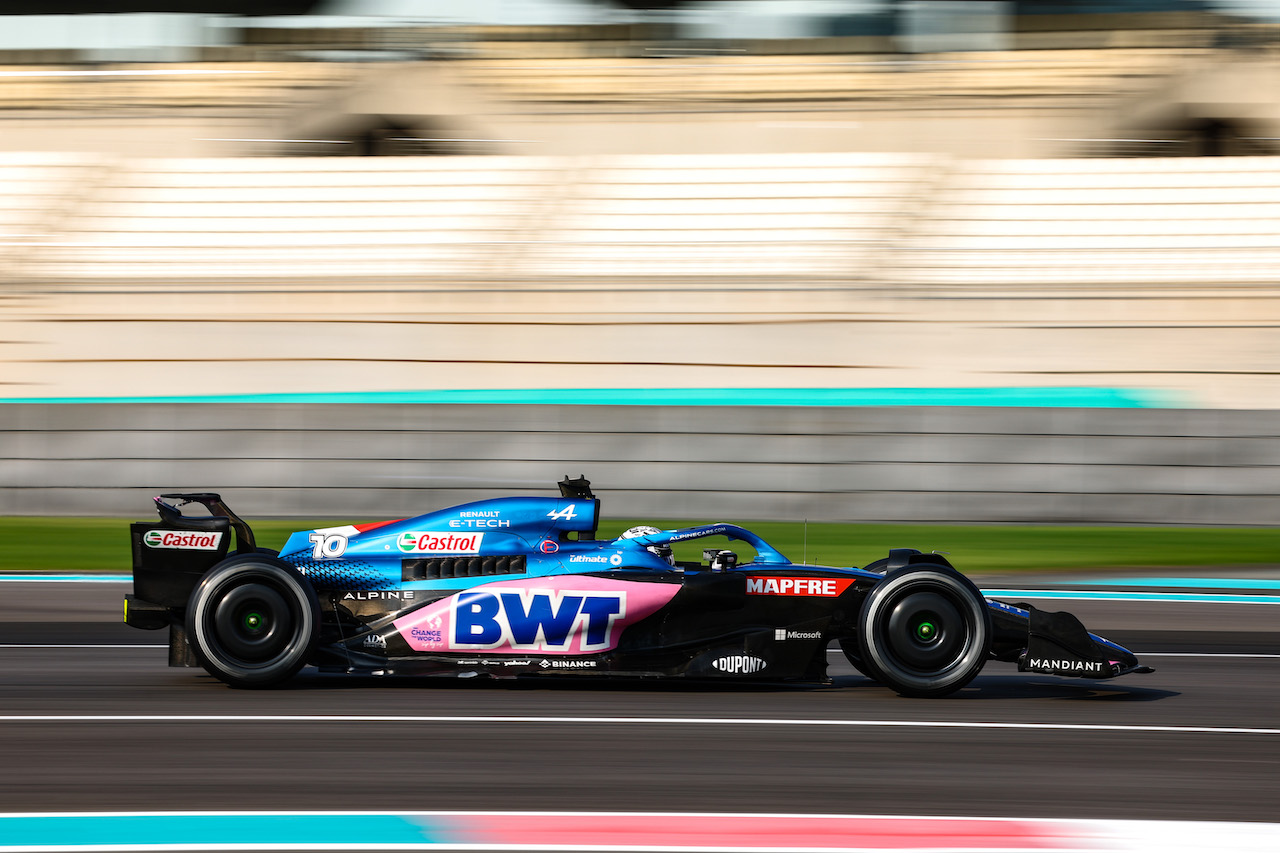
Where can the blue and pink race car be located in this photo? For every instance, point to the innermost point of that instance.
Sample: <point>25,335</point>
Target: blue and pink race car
<point>522,587</point>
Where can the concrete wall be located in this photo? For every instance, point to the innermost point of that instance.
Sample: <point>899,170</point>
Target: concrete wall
<point>1068,465</point>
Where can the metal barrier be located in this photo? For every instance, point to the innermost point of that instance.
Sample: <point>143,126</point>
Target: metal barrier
<point>944,464</point>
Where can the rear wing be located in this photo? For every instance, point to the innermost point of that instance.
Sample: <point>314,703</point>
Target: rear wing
<point>170,555</point>
<point>217,509</point>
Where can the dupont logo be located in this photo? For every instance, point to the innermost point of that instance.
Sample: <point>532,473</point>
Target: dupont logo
<point>439,543</point>
<point>738,664</point>
<point>182,540</point>
<point>825,587</point>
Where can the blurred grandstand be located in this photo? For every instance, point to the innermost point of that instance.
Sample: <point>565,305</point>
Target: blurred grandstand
<point>652,198</point>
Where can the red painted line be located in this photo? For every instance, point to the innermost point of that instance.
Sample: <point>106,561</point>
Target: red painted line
<point>374,525</point>
<point>751,831</point>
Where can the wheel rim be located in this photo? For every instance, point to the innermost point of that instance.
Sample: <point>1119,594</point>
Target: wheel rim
<point>925,631</point>
<point>253,622</point>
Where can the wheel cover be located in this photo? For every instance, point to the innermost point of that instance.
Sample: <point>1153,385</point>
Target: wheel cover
<point>253,622</point>
<point>924,632</point>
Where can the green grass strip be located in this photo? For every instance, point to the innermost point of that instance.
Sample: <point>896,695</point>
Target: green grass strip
<point>102,544</point>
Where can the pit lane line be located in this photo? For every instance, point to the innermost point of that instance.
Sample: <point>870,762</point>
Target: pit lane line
<point>1179,582</point>
<point>623,721</point>
<point>84,646</point>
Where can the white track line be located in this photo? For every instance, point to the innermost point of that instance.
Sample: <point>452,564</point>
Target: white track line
<point>1203,655</point>
<point>620,721</point>
<point>829,651</point>
<point>1086,845</point>
<point>802,816</point>
<point>83,646</point>
<point>1034,835</point>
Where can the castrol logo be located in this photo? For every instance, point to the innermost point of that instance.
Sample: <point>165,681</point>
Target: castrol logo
<point>182,540</point>
<point>431,542</point>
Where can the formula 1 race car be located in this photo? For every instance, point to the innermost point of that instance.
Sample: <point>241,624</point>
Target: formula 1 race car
<point>521,586</point>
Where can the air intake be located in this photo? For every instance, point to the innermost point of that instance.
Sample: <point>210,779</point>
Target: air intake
<point>445,568</point>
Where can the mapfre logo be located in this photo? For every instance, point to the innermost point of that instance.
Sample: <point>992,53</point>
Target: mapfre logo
<point>738,664</point>
<point>182,540</point>
<point>825,587</point>
<point>430,542</point>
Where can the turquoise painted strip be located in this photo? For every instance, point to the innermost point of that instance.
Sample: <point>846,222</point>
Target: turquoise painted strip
<point>166,831</point>
<point>1070,397</point>
<point>4,578</point>
<point>1179,583</point>
<point>1133,595</point>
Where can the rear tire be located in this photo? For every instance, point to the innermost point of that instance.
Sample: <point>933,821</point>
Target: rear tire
<point>252,621</point>
<point>924,631</point>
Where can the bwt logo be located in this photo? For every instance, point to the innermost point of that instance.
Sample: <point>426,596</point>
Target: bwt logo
<point>543,620</point>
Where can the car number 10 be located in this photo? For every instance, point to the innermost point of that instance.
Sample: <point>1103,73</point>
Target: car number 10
<point>327,546</point>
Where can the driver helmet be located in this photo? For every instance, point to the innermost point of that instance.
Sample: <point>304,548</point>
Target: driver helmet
<point>662,551</point>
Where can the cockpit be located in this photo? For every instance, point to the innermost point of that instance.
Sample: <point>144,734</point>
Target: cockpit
<point>680,549</point>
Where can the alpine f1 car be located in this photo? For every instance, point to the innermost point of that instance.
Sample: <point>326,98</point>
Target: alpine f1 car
<point>521,586</point>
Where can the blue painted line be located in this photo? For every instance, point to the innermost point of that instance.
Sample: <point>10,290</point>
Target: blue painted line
<point>1031,397</point>
<point>1179,583</point>
<point>7,578</point>
<point>165,831</point>
<point>1132,595</point>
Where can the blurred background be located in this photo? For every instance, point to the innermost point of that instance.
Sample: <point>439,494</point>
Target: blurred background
<point>885,260</point>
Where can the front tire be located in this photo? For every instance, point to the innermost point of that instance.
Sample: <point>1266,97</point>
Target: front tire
<point>924,631</point>
<point>849,645</point>
<point>252,621</point>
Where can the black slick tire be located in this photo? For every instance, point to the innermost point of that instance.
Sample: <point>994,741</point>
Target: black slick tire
<point>253,621</point>
<point>924,631</point>
<point>849,645</point>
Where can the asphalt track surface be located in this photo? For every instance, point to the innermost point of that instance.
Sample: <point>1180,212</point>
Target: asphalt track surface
<point>91,719</point>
